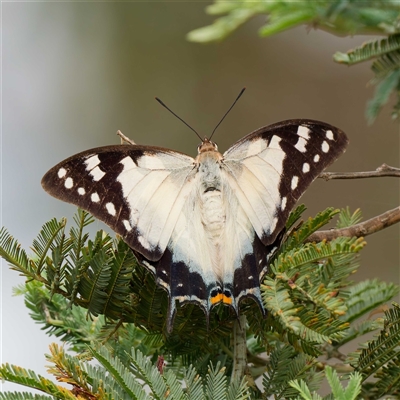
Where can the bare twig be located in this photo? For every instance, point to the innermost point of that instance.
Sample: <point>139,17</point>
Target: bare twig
<point>362,229</point>
<point>383,170</point>
<point>125,139</point>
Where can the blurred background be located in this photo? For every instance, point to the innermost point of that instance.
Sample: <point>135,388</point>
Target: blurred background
<point>75,73</point>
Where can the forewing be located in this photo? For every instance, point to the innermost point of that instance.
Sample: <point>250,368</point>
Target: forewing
<point>271,168</point>
<point>138,191</point>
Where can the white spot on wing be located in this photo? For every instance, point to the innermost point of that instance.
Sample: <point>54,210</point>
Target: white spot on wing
<point>329,135</point>
<point>95,197</point>
<point>250,277</point>
<point>62,172</point>
<point>303,131</point>
<point>97,173</point>
<point>180,284</point>
<point>127,225</point>
<point>295,181</point>
<point>81,191</point>
<point>111,209</point>
<point>69,183</point>
<point>316,158</point>
<point>92,162</point>
<point>283,204</point>
<point>301,144</point>
<point>325,147</point>
<point>306,167</point>
<point>93,168</point>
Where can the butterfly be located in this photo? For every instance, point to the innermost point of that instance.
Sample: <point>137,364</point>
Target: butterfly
<point>208,226</point>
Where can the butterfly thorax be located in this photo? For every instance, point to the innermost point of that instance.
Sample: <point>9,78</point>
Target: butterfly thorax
<point>207,145</point>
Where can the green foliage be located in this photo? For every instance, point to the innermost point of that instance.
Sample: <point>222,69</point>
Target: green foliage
<point>338,17</point>
<point>284,365</point>
<point>351,392</point>
<point>23,396</point>
<point>380,357</point>
<point>111,378</point>
<point>386,67</point>
<point>346,218</point>
<point>299,235</point>
<point>367,296</point>
<point>28,378</point>
<point>85,291</point>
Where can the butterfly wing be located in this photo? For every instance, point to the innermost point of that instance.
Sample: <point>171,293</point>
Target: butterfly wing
<point>268,171</point>
<point>272,167</point>
<point>149,196</point>
<point>138,191</point>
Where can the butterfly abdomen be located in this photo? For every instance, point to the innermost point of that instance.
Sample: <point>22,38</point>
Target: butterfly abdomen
<point>212,209</point>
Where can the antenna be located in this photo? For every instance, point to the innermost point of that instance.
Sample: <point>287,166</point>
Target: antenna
<point>230,108</point>
<point>178,117</point>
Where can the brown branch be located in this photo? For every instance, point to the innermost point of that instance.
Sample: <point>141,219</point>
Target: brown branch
<point>361,229</point>
<point>383,170</point>
<point>125,139</point>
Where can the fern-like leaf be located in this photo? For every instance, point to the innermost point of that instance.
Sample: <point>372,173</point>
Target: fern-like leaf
<point>301,387</point>
<point>307,228</point>
<point>346,218</point>
<point>238,390</point>
<point>385,64</point>
<point>352,390</point>
<point>382,93</point>
<point>372,49</point>
<point>381,352</point>
<point>51,237</point>
<point>216,383</point>
<point>120,374</point>
<point>23,396</point>
<point>367,296</point>
<point>28,378</point>
<point>193,383</point>
<point>15,256</point>
<point>295,215</point>
<point>284,365</point>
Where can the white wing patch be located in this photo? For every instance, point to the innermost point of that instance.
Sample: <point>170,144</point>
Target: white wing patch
<point>329,134</point>
<point>111,209</point>
<point>154,196</point>
<point>95,197</point>
<point>62,172</point>
<point>92,166</point>
<point>301,144</point>
<point>151,162</point>
<point>69,183</point>
<point>303,131</point>
<point>294,183</point>
<point>255,181</point>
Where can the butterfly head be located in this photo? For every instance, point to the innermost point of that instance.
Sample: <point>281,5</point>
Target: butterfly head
<point>207,145</point>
